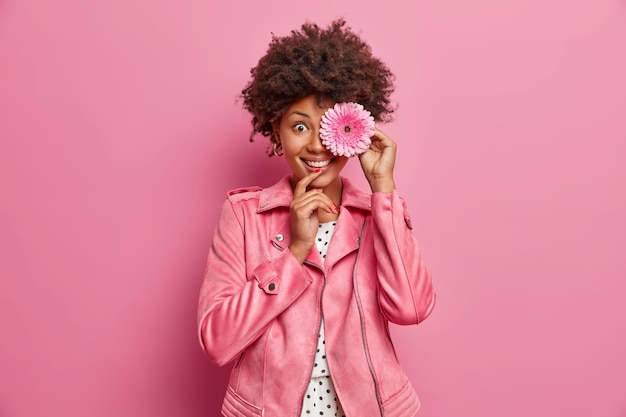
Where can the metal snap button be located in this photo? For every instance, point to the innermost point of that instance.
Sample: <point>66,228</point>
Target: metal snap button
<point>279,237</point>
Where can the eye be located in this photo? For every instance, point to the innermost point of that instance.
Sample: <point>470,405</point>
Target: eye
<point>300,127</point>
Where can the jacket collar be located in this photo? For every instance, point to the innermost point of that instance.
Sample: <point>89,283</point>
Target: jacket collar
<point>281,194</point>
<point>347,232</point>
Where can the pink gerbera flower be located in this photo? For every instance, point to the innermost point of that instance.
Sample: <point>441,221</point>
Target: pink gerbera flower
<point>346,129</point>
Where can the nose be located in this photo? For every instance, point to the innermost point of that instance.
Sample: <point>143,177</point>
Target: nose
<point>315,144</point>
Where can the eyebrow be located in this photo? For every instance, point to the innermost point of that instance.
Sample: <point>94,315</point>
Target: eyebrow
<point>299,113</point>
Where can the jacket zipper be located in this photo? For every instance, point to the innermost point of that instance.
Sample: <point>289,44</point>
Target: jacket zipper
<point>319,325</point>
<point>360,309</point>
<point>240,359</point>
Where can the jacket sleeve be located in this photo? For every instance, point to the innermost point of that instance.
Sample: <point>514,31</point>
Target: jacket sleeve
<point>234,309</point>
<point>406,294</point>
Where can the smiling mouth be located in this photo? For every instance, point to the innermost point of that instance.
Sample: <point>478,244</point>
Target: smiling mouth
<point>318,164</point>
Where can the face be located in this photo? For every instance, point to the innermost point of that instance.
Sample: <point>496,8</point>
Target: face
<point>298,132</point>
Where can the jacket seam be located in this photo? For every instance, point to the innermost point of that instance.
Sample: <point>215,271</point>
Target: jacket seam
<point>232,207</point>
<point>359,306</point>
<point>397,247</point>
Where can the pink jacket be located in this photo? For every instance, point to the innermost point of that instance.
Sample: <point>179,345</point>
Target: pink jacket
<point>258,305</point>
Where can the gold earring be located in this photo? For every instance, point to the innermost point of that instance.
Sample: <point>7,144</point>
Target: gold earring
<point>277,149</point>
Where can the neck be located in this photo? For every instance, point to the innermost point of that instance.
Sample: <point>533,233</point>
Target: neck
<point>333,191</point>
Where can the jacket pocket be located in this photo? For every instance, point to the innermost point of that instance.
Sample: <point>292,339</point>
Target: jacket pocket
<point>235,406</point>
<point>404,403</point>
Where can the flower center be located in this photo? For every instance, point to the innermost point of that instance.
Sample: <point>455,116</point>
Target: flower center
<point>347,129</point>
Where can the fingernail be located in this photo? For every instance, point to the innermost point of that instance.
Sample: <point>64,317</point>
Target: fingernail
<point>318,170</point>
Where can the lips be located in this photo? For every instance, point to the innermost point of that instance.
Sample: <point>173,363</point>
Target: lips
<point>317,164</point>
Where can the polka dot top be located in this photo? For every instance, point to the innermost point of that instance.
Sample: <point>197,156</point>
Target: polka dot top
<point>320,398</point>
<point>324,233</point>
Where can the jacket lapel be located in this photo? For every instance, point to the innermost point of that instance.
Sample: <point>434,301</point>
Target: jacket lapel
<point>355,204</point>
<point>345,237</point>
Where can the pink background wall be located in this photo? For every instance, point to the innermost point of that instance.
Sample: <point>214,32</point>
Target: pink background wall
<point>120,136</point>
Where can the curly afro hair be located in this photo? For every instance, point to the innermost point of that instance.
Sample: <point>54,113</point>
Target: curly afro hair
<point>329,63</point>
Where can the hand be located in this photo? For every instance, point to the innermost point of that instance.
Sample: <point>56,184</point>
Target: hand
<point>378,162</point>
<point>303,215</point>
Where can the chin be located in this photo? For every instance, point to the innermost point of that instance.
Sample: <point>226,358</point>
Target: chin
<point>323,181</point>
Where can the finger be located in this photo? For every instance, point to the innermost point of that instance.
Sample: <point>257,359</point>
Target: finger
<point>314,197</point>
<point>381,139</point>
<point>379,133</point>
<point>301,185</point>
<point>311,201</point>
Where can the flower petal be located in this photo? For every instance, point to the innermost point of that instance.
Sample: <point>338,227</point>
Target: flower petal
<point>346,129</point>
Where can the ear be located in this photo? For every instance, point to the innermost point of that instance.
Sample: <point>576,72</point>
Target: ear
<point>275,132</point>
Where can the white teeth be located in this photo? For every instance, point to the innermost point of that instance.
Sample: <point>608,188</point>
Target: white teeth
<point>317,164</point>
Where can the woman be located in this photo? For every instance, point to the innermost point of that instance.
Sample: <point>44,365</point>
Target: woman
<point>304,316</point>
